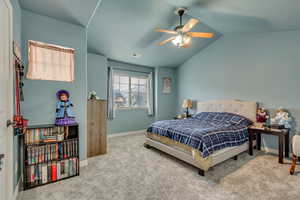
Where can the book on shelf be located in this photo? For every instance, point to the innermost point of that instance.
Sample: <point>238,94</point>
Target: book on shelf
<point>37,135</point>
<point>48,156</point>
<point>44,172</point>
<point>50,152</point>
<point>56,170</point>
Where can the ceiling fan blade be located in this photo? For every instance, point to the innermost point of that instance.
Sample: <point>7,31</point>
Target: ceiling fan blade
<point>165,31</point>
<point>200,35</point>
<point>166,41</point>
<point>190,24</point>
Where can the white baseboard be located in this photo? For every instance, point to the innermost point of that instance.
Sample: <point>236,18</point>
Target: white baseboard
<point>273,151</point>
<point>83,163</point>
<point>127,133</point>
<point>17,193</point>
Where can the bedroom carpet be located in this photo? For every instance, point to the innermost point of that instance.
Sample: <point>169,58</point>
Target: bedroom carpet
<point>131,172</point>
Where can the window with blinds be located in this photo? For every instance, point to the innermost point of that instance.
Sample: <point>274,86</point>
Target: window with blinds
<point>50,62</point>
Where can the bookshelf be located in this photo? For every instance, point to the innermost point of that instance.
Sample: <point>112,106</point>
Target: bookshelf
<point>50,154</point>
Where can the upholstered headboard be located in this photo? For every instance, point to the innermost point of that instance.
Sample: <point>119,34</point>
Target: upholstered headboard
<point>243,108</point>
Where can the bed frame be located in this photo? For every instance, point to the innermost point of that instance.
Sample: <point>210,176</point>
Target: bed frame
<point>243,108</point>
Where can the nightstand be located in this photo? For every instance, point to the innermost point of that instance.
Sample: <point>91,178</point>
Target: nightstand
<point>283,139</point>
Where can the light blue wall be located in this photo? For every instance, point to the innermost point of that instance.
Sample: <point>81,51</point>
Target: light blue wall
<point>166,104</point>
<point>129,120</point>
<point>16,21</point>
<point>132,119</point>
<point>17,38</point>
<point>97,74</point>
<point>262,67</point>
<point>40,99</point>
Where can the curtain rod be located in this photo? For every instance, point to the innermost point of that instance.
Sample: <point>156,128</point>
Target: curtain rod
<point>130,70</point>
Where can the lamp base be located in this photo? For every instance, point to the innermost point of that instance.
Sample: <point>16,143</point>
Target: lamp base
<point>187,112</point>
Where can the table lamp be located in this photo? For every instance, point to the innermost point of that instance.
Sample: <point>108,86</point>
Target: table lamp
<point>187,103</point>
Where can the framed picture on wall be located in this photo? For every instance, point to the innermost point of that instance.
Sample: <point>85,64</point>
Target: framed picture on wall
<point>167,85</point>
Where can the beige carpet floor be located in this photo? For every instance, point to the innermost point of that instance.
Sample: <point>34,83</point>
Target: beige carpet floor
<point>131,172</point>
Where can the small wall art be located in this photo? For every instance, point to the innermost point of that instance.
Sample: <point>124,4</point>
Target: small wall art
<point>167,85</point>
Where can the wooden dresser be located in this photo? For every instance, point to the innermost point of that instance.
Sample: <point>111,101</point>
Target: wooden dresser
<point>96,127</point>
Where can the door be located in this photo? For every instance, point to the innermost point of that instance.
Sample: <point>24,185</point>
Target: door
<point>6,100</point>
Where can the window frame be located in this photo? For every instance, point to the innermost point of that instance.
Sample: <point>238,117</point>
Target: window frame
<point>130,107</point>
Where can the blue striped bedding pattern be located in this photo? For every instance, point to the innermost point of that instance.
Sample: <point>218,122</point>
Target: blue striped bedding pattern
<point>206,131</point>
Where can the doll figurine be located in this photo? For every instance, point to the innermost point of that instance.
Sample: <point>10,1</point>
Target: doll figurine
<point>261,115</point>
<point>282,117</point>
<point>64,114</point>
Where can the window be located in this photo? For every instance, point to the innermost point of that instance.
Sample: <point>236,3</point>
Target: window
<point>50,62</point>
<point>130,91</point>
<point>121,91</point>
<point>138,92</point>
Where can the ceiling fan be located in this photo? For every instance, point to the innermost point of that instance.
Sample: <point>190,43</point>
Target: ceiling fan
<point>182,37</point>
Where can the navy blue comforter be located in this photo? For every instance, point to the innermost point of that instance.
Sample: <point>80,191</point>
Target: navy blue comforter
<point>206,131</point>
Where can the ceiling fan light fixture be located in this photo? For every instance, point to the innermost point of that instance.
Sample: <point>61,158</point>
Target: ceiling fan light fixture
<point>181,40</point>
<point>181,35</point>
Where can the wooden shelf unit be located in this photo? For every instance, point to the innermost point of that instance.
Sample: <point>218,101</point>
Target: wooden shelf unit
<point>66,151</point>
<point>96,127</point>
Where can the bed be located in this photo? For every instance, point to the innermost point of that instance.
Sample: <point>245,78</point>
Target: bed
<point>218,132</point>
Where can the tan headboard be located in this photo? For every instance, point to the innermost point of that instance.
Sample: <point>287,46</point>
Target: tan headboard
<point>243,108</point>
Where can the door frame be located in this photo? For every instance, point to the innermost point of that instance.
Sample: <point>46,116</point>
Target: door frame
<point>8,170</point>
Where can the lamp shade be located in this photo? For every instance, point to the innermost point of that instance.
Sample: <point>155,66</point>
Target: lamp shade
<point>187,103</point>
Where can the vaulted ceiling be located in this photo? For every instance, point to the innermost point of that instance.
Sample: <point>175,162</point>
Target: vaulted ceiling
<point>72,11</point>
<point>119,28</point>
<point>230,16</point>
